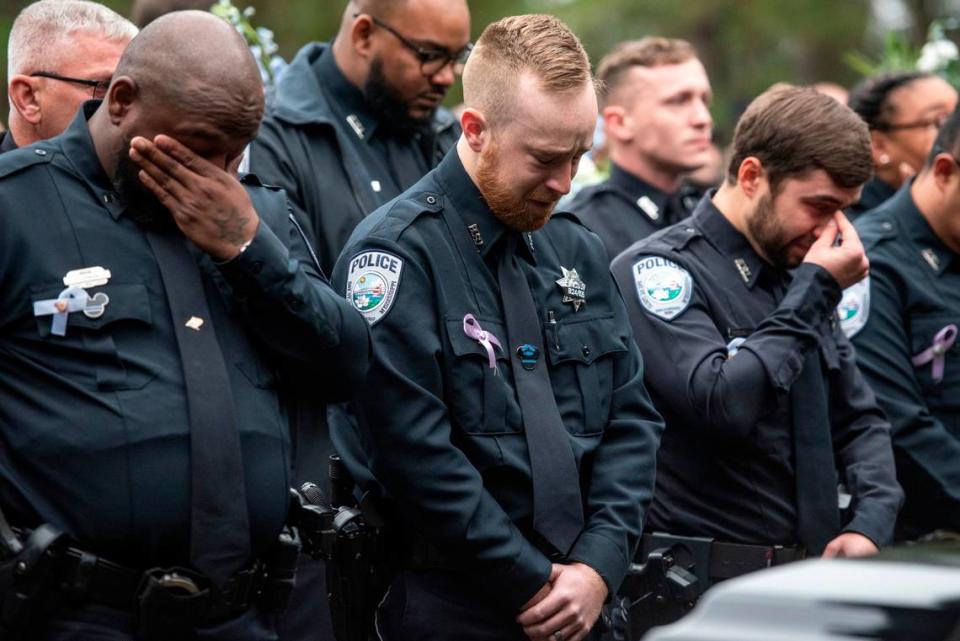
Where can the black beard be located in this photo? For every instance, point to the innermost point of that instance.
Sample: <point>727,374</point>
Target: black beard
<point>141,205</point>
<point>768,233</point>
<point>391,112</point>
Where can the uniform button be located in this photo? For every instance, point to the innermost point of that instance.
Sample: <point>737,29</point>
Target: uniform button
<point>431,200</point>
<point>257,267</point>
<point>40,152</point>
<point>888,226</point>
<point>586,352</point>
<point>295,302</point>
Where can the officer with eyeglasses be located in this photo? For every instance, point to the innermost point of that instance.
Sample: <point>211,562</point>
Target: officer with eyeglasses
<point>904,110</point>
<point>353,124</point>
<point>59,55</point>
<point>903,321</point>
<point>357,121</point>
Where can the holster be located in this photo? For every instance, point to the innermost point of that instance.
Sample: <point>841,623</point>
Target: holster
<point>26,580</point>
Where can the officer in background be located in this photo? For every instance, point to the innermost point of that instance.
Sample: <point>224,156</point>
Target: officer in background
<point>505,409</point>
<point>904,110</point>
<point>357,121</point>
<point>734,312</point>
<point>60,54</point>
<point>656,113</point>
<point>903,322</point>
<point>153,307</point>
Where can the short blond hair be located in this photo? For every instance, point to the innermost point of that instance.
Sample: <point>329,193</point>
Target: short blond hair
<point>536,43</point>
<point>652,51</point>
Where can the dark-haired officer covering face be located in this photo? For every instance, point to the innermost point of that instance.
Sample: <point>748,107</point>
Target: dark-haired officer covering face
<point>765,408</point>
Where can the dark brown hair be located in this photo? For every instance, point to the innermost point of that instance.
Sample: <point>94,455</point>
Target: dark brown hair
<point>794,130</point>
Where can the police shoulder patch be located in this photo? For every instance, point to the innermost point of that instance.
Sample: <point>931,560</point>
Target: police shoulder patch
<point>854,307</point>
<point>373,280</point>
<point>664,287</point>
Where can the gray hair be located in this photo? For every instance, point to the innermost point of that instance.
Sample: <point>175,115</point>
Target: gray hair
<point>41,31</point>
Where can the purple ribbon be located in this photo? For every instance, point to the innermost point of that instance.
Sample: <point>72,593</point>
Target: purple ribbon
<point>936,353</point>
<point>471,327</point>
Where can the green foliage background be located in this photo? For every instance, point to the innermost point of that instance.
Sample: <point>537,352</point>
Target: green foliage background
<point>747,45</point>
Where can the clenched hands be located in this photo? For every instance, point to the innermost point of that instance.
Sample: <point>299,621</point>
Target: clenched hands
<point>208,204</point>
<point>569,603</point>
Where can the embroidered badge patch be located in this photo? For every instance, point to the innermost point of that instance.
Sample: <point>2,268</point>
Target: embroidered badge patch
<point>372,283</point>
<point>854,307</point>
<point>664,288</point>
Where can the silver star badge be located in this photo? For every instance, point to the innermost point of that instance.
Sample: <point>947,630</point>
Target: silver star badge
<point>573,288</point>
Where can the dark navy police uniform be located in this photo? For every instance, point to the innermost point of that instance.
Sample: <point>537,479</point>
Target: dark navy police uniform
<point>727,340</point>
<point>323,144</point>
<point>875,193</point>
<point>903,321</point>
<point>625,209</point>
<point>94,430</point>
<point>445,426</point>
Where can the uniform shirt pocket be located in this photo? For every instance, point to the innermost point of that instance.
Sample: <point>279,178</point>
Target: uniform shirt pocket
<point>582,353</point>
<point>480,398</point>
<point>109,351</point>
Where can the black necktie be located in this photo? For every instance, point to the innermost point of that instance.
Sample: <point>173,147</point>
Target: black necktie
<point>818,517</point>
<point>219,525</point>
<point>557,506</point>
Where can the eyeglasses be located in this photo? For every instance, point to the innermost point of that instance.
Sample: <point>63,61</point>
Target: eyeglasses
<point>99,86</point>
<point>432,61</point>
<point>933,123</point>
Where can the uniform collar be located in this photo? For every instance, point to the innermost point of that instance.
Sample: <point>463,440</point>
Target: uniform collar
<point>648,199</point>
<point>484,228</point>
<point>7,143</point>
<point>725,237</point>
<point>932,252</point>
<point>349,103</point>
<point>78,147</point>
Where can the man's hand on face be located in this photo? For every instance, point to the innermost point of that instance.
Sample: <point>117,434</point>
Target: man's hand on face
<point>571,607</point>
<point>846,262</point>
<point>850,544</point>
<point>209,204</point>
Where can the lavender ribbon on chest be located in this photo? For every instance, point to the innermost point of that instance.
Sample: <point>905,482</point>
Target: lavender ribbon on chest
<point>936,353</point>
<point>471,327</point>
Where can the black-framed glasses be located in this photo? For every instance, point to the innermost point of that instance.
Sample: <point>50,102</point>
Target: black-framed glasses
<point>432,61</point>
<point>933,123</point>
<point>99,87</point>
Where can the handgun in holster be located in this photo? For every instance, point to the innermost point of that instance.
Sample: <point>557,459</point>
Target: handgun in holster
<point>661,589</point>
<point>27,575</point>
<point>352,542</point>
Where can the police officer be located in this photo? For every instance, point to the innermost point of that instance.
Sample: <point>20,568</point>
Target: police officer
<point>505,408</point>
<point>151,309</point>
<point>903,323</point>
<point>734,311</point>
<point>357,121</point>
<point>903,110</point>
<point>59,55</point>
<point>656,115</point>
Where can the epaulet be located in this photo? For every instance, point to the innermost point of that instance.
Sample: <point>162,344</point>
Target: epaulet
<point>19,159</point>
<point>568,215</point>
<point>673,237</point>
<point>876,228</point>
<point>252,180</point>
<point>390,221</point>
